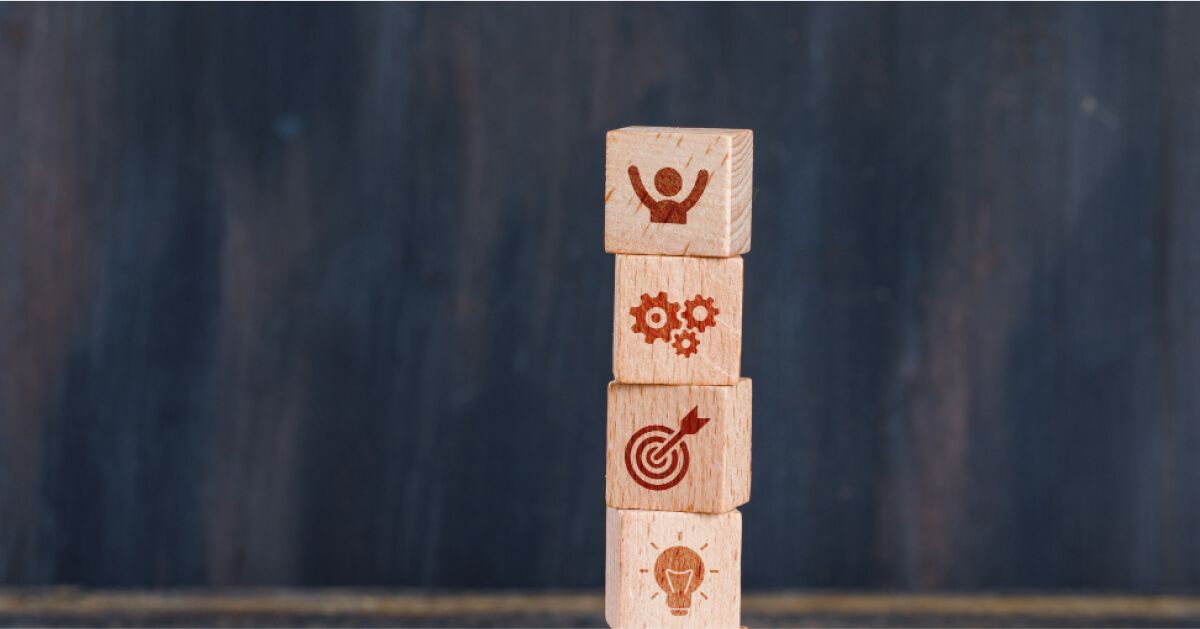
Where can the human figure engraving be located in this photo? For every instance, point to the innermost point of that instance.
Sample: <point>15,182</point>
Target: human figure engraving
<point>668,182</point>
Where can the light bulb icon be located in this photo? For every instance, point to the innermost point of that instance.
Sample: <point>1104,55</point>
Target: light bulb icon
<point>679,571</point>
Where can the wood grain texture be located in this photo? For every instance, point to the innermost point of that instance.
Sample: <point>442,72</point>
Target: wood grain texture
<point>714,170</point>
<point>299,295</point>
<point>668,569</point>
<point>655,341</point>
<point>716,475</point>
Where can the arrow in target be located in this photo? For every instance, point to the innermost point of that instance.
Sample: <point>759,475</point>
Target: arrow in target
<point>689,425</point>
<point>656,456</point>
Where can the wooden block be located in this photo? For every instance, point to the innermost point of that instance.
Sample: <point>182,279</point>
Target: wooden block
<point>678,448</point>
<point>675,191</point>
<point>677,320</point>
<point>665,569</point>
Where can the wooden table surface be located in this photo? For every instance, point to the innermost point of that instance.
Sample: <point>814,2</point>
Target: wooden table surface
<point>342,608</point>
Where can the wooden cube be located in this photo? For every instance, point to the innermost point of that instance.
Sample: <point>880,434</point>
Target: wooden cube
<point>677,320</point>
<point>665,569</point>
<point>676,191</point>
<point>678,448</point>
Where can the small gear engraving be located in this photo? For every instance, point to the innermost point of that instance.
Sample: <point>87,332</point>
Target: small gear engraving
<point>709,313</point>
<point>686,343</point>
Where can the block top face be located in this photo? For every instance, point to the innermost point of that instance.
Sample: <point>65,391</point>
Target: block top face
<point>678,191</point>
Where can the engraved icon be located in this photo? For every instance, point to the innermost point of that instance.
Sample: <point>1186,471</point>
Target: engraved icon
<point>658,317</point>
<point>656,456</point>
<point>679,572</point>
<point>668,182</point>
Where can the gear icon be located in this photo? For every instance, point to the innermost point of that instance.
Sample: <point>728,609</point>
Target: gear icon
<point>686,343</point>
<point>656,318</point>
<point>709,314</point>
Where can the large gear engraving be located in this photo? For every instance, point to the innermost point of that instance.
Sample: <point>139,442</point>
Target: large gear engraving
<point>656,318</point>
<point>709,314</point>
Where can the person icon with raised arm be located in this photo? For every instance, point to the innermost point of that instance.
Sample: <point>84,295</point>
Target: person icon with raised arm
<point>668,182</point>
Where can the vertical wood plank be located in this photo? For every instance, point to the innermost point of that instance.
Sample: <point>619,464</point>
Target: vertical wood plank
<point>293,296</point>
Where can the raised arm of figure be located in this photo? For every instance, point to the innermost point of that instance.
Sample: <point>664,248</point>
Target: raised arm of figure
<point>636,179</point>
<point>697,190</point>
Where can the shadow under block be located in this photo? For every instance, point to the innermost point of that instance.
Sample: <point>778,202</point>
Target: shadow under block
<point>706,468</point>
<point>665,569</point>
<point>677,320</point>
<point>691,193</point>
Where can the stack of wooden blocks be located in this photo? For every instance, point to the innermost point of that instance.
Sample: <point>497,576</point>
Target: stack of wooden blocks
<point>677,214</point>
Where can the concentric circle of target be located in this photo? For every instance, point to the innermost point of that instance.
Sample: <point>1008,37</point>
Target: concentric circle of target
<point>659,473</point>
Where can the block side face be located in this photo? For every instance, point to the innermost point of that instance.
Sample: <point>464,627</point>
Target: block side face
<point>644,214</point>
<point>741,192</point>
<point>734,553</point>
<point>612,460</point>
<point>740,461</point>
<point>612,567</point>
<point>617,366</point>
<point>650,347</point>
<point>682,570</point>
<point>693,476</point>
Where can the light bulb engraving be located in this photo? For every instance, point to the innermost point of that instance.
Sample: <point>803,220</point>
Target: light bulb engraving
<point>680,597</point>
<point>679,572</point>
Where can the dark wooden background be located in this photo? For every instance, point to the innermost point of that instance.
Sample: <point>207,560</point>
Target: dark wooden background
<point>317,295</point>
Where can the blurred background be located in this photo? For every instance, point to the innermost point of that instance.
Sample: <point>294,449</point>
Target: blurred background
<point>317,296</point>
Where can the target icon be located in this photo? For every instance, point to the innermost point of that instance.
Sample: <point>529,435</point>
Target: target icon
<point>656,456</point>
